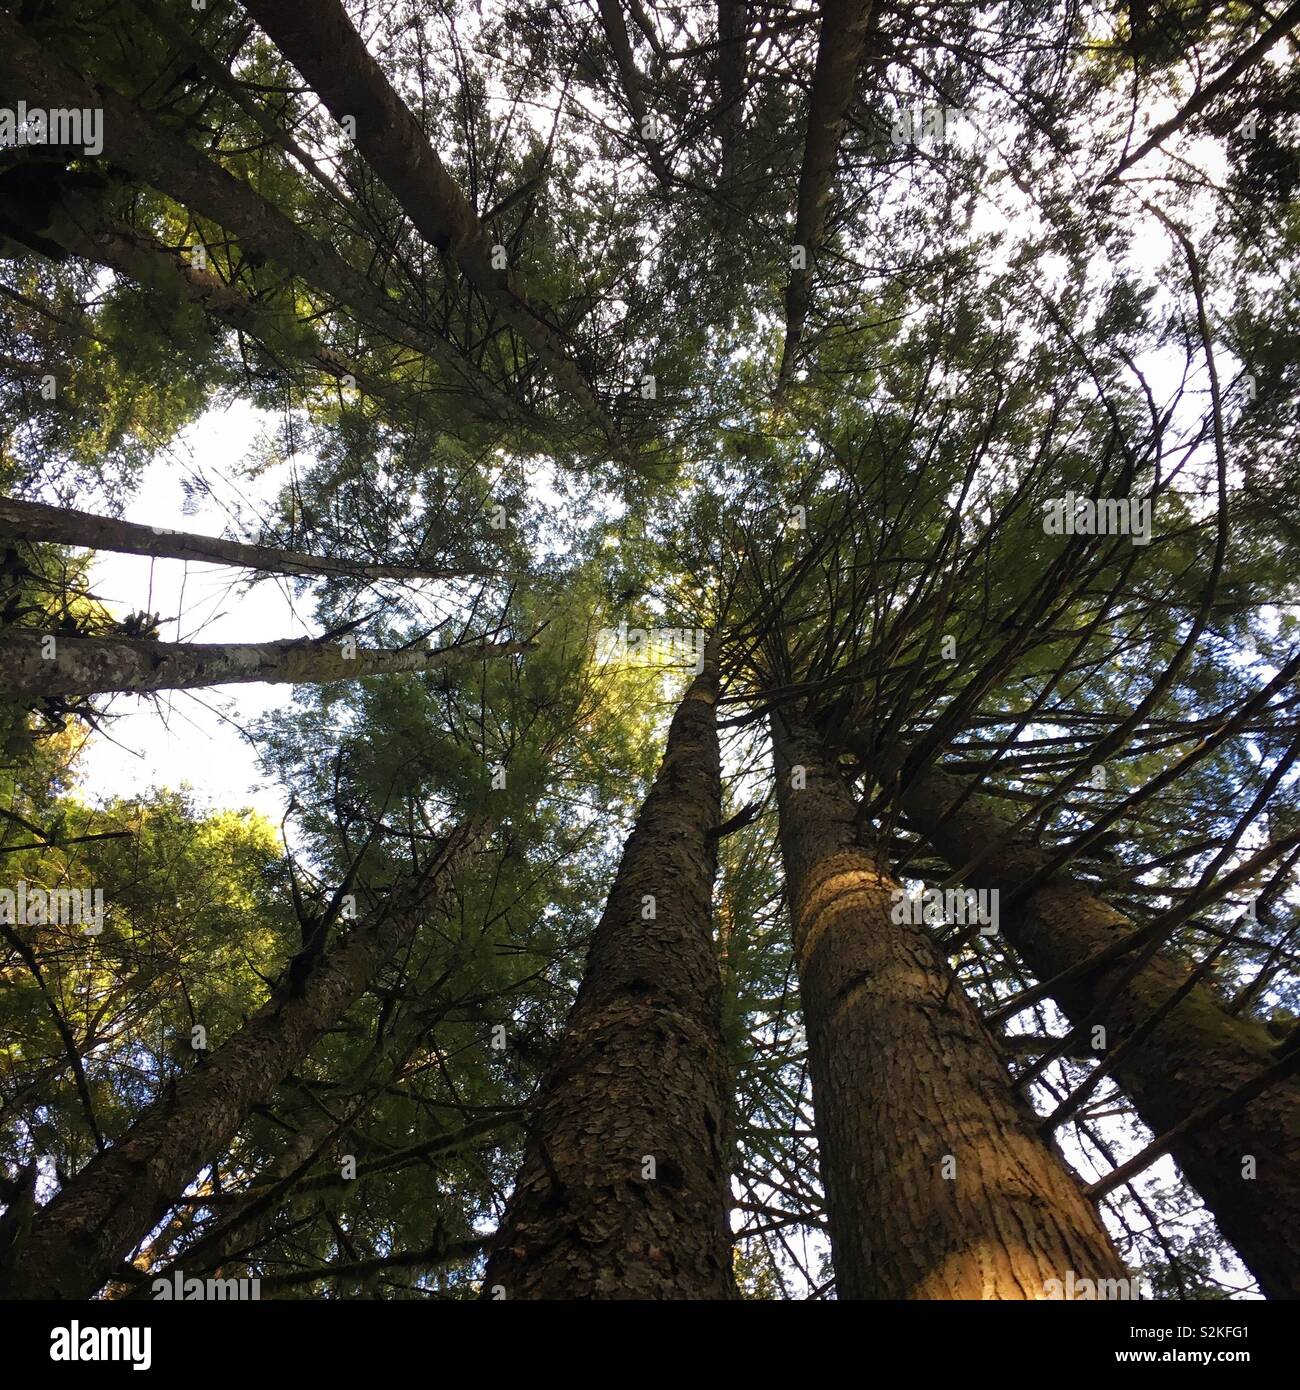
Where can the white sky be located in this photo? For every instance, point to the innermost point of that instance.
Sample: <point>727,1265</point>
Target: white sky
<point>180,736</point>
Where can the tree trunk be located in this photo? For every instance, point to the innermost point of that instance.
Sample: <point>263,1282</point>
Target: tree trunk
<point>1196,1055</point>
<point>611,21</point>
<point>35,521</point>
<point>134,254</point>
<point>936,1185</point>
<point>839,50</point>
<point>251,1217</point>
<point>163,159</point>
<point>104,665</point>
<point>242,1228</point>
<point>733,27</point>
<point>80,1237</point>
<point>317,37</point>
<point>623,1192</point>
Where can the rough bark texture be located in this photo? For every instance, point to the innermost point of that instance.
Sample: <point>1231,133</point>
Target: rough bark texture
<point>35,521</point>
<point>161,158</point>
<point>80,1237</point>
<point>317,37</point>
<point>904,1075</point>
<point>103,665</point>
<point>839,50</point>
<point>1198,1054</point>
<point>639,1073</point>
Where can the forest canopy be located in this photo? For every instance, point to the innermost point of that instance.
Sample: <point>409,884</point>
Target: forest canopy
<point>746,556</point>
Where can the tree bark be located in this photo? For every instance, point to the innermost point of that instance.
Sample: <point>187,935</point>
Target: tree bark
<point>639,1073</point>
<point>611,21</point>
<point>937,1186</point>
<point>839,51</point>
<point>142,258</point>
<point>242,1228</point>
<point>80,1237</point>
<point>733,26</point>
<point>161,158</point>
<point>36,521</point>
<point>317,37</point>
<point>105,665</point>
<point>1197,1054</point>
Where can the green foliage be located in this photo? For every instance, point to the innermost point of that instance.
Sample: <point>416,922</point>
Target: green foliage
<point>992,326</point>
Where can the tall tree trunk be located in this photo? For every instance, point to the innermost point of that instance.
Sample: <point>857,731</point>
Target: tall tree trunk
<point>35,521</point>
<point>104,665</point>
<point>318,38</point>
<point>79,1238</point>
<point>733,26</point>
<point>623,1192</point>
<point>839,49</point>
<point>1197,1054</point>
<point>936,1185</point>
<point>163,159</point>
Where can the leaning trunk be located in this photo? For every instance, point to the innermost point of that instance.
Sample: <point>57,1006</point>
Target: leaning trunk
<point>1196,1055</point>
<point>75,226</point>
<point>161,157</point>
<point>37,521</point>
<point>35,664</point>
<point>936,1185</point>
<point>319,39</point>
<point>611,20</point>
<point>79,1239</point>
<point>623,1190</point>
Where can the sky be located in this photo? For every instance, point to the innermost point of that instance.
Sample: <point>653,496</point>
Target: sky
<point>180,736</point>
